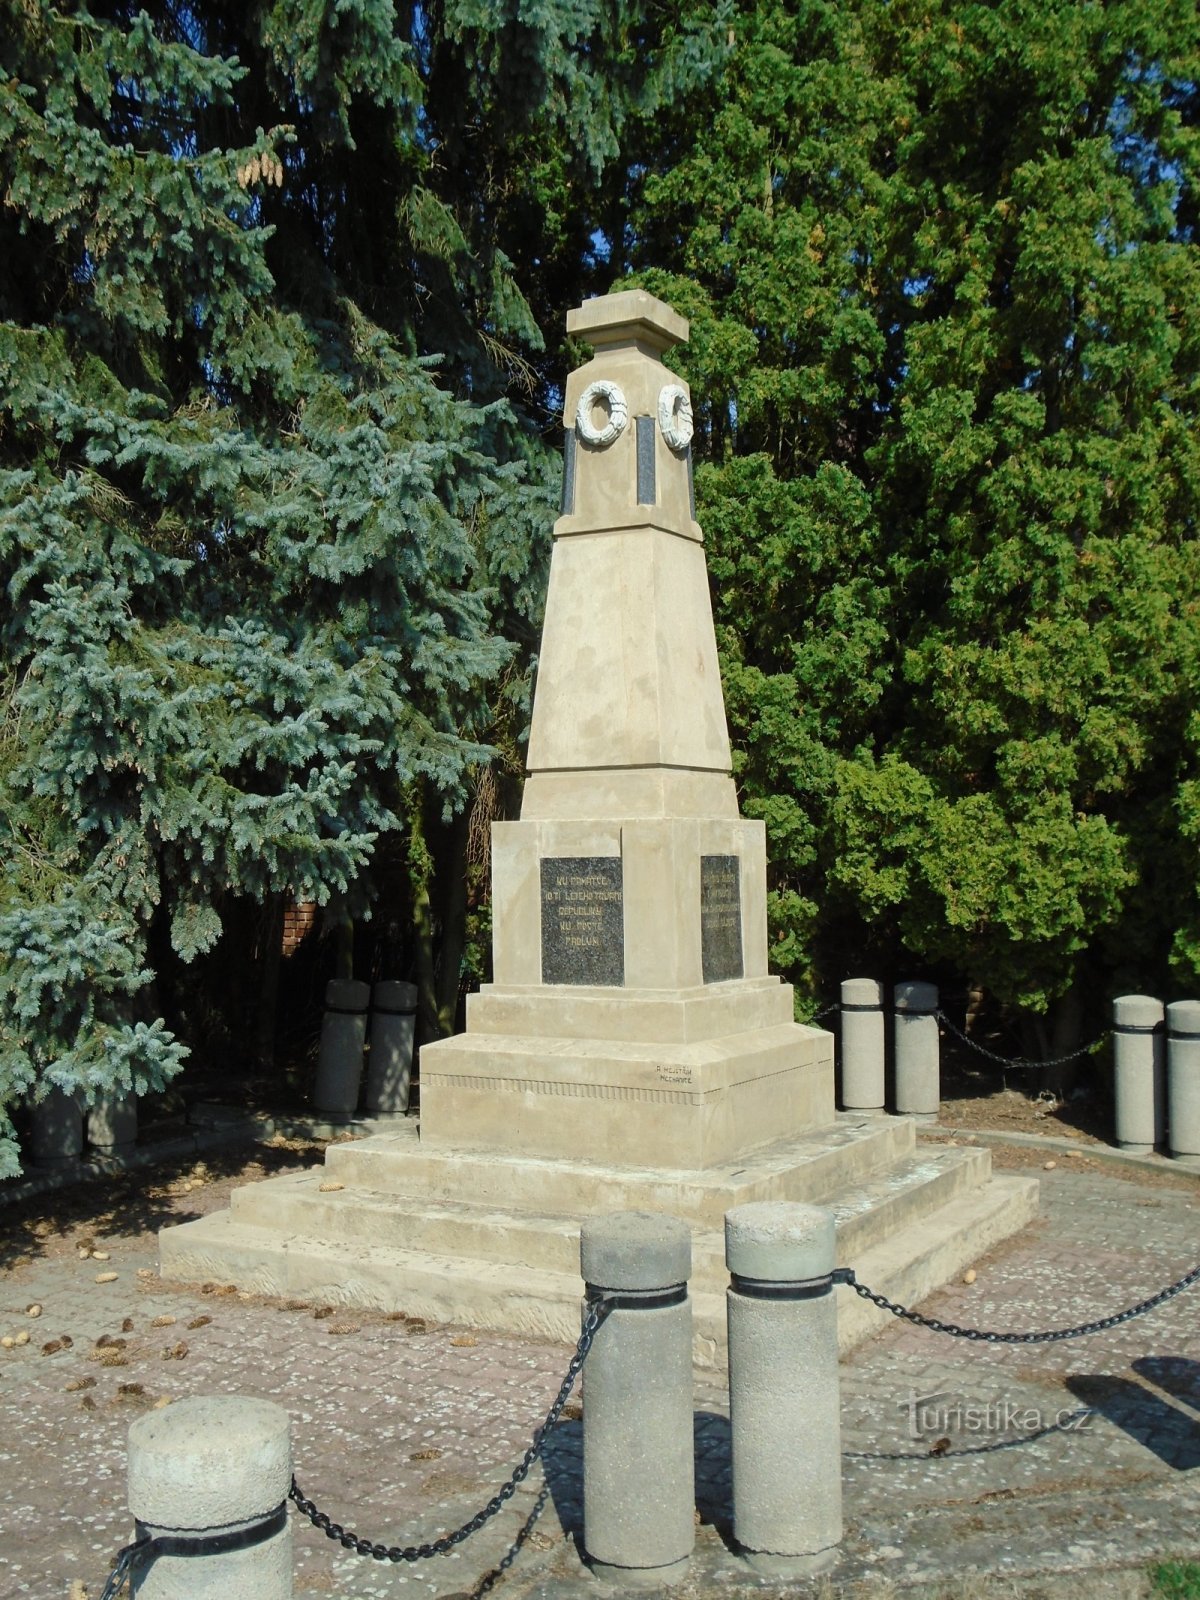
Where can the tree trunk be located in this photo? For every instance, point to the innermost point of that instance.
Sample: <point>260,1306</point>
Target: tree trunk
<point>437,860</point>
<point>1066,1035</point>
<point>450,885</point>
<point>268,993</point>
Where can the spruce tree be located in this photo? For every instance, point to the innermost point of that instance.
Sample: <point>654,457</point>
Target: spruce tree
<point>277,461</point>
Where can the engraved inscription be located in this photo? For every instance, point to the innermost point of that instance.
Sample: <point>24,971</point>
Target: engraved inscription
<point>583,920</point>
<point>720,918</point>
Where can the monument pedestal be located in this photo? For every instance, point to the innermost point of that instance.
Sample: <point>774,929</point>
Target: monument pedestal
<point>691,1062</point>
<point>664,1099</point>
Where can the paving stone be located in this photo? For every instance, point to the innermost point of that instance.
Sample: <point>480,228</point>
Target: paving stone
<point>1081,1457</point>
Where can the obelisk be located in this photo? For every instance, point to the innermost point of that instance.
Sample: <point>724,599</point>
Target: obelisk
<point>631,1018</point>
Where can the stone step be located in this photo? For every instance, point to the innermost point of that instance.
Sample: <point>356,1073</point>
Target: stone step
<point>469,1290</point>
<point>909,1265</point>
<point>812,1167</point>
<point>456,1289</point>
<point>295,1206</point>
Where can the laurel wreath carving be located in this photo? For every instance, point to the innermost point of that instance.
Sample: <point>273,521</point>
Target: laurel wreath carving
<point>675,416</point>
<point>602,392</point>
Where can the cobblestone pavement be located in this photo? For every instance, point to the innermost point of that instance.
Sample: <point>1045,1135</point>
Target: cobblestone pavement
<point>961,1462</point>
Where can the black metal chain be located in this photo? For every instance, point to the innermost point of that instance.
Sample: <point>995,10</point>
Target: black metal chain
<point>598,1310</point>
<point>846,1275</point>
<point>1015,1063</point>
<point>124,1566</point>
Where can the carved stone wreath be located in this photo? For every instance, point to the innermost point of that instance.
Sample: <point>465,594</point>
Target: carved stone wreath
<point>602,392</point>
<point>675,416</point>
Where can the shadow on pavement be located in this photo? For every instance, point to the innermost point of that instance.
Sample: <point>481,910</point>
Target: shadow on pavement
<point>131,1202</point>
<point>1152,1420</point>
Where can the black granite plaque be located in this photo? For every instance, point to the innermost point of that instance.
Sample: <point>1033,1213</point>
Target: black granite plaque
<point>720,918</point>
<point>583,920</point>
<point>567,503</point>
<point>647,493</point>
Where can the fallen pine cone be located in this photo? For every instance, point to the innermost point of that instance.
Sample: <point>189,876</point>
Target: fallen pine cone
<point>199,1322</point>
<point>175,1352</point>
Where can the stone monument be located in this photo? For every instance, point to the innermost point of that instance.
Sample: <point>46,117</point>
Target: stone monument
<point>631,1018</point>
<point>632,1052</point>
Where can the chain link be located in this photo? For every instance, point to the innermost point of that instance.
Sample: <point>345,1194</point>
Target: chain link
<point>846,1275</point>
<point>124,1566</point>
<point>1016,1063</point>
<point>597,1311</point>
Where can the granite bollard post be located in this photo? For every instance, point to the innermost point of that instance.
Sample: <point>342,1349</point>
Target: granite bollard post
<point>1139,1071</point>
<point>393,1024</point>
<point>1183,1077</point>
<point>918,1078</point>
<point>638,1455</point>
<point>862,1045</point>
<point>343,1037</point>
<point>112,1122</point>
<point>56,1129</point>
<point>784,1408</point>
<point>213,1470</point>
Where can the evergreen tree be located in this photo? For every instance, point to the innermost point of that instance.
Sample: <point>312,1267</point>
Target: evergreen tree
<point>276,467</point>
<point>944,279</point>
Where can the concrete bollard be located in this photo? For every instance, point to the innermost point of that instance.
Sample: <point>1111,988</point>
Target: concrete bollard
<point>112,1122</point>
<point>1183,1077</point>
<point>343,1037</point>
<point>784,1409</point>
<point>1139,1071</point>
<point>208,1468</point>
<point>56,1129</point>
<point>393,1023</point>
<point>862,1045</point>
<point>918,1079</point>
<point>638,1456</point>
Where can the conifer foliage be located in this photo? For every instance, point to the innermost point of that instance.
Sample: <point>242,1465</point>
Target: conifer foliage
<point>943,272</point>
<point>257,550</point>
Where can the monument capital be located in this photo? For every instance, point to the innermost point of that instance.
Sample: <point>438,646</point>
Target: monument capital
<point>632,317</point>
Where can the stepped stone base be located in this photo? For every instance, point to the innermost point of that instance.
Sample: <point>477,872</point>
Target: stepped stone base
<point>492,1240</point>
